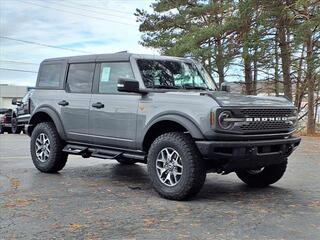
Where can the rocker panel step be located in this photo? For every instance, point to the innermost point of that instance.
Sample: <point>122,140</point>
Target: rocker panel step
<point>104,152</point>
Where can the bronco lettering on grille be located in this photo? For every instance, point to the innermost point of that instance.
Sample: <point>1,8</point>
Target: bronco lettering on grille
<point>266,119</point>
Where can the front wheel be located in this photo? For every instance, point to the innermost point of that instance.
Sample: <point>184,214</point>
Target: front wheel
<point>15,129</point>
<point>46,148</point>
<point>264,176</point>
<point>175,166</point>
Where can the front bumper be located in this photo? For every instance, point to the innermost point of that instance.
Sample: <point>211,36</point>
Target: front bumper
<point>28,129</point>
<point>6,125</point>
<point>235,155</point>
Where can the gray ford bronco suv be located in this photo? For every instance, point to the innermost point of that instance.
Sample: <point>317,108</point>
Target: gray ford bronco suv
<point>162,111</point>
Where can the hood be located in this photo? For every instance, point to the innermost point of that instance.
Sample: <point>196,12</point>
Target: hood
<point>234,99</point>
<point>225,99</point>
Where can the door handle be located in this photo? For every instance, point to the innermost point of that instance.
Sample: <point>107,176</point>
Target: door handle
<point>63,103</point>
<point>98,105</point>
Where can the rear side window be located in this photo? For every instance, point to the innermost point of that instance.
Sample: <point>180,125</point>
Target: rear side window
<point>80,77</point>
<point>50,75</point>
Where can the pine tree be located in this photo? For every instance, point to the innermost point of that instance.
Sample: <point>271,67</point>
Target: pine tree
<point>307,33</point>
<point>203,30</point>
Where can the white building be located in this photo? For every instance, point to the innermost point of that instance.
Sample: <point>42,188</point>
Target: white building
<point>7,92</point>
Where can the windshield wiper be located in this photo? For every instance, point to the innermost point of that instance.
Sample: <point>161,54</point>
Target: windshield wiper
<point>165,87</point>
<point>196,87</point>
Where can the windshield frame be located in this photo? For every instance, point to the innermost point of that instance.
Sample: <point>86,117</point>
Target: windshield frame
<point>208,81</point>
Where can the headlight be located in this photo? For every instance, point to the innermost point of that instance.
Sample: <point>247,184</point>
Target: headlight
<point>294,118</point>
<point>222,120</point>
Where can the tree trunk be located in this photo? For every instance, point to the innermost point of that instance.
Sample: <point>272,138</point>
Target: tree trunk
<point>311,127</point>
<point>255,76</point>
<point>245,40</point>
<point>219,61</point>
<point>247,70</point>
<point>317,104</point>
<point>285,58</point>
<point>276,66</point>
<point>299,86</point>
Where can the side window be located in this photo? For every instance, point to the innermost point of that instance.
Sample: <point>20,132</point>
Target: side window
<point>80,77</point>
<point>110,73</point>
<point>50,75</point>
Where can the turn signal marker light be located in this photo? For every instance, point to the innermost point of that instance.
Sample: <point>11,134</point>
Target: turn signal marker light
<point>212,119</point>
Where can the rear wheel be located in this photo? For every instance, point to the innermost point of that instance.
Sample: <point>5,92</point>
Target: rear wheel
<point>46,148</point>
<point>264,176</point>
<point>1,129</point>
<point>175,167</point>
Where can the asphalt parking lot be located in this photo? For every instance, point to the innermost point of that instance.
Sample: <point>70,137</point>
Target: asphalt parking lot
<point>101,199</point>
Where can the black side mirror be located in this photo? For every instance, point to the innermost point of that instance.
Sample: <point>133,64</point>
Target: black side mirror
<point>128,85</point>
<point>225,87</point>
<point>14,101</point>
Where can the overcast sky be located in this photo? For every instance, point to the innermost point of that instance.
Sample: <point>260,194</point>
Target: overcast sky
<point>84,26</point>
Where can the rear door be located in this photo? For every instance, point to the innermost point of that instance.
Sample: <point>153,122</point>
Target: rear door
<point>76,99</point>
<point>113,115</point>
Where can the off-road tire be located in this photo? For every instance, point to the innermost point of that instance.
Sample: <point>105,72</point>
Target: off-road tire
<point>194,173</point>
<point>269,175</point>
<point>126,161</point>
<point>14,128</point>
<point>57,158</point>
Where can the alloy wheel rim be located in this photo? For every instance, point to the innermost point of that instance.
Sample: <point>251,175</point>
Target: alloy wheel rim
<point>169,166</point>
<point>42,146</point>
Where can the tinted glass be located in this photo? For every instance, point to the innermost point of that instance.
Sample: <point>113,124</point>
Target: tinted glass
<point>80,77</point>
<point>26,97</point>
<point>50,75</point>
<point>110,73</point>
<point>171,74</point>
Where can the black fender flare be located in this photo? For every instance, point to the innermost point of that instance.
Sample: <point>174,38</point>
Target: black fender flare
<point>53,115</point>
<point>185,122</point>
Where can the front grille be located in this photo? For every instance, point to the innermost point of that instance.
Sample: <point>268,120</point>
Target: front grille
<point>259,120</point>
<point>269,125</point>
<point>262,126</point>
<point>281,112</point>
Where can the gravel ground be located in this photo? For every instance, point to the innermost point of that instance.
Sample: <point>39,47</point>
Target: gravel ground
<point>101,199</point>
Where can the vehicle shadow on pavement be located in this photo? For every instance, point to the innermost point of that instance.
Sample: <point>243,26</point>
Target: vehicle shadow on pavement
<point>233,190</point>
<point>135,177</point>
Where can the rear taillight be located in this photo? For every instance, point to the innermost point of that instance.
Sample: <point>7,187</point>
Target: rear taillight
<point>5,118</point>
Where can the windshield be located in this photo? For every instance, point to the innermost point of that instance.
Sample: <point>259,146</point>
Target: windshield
<point>27,96</point>
<point>173,74</point>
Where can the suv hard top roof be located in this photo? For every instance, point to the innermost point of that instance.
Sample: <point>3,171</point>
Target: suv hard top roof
<point>120,56</point>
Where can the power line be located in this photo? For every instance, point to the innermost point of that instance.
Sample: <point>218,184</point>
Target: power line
<point>87,5</point>
<point>70,5</point>
<point>78,14</point>
<point>17,70</point>
<point>41,44</point>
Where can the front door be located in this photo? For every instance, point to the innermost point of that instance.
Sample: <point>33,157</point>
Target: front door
<point>113,115</point>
